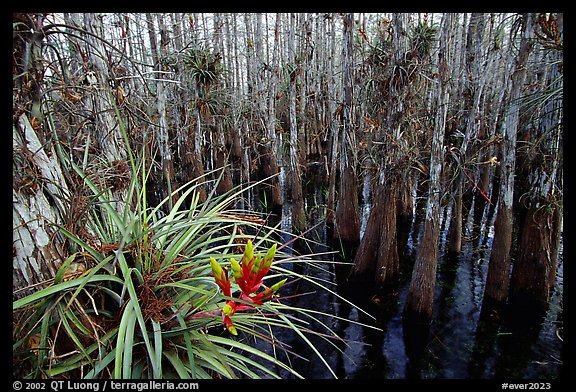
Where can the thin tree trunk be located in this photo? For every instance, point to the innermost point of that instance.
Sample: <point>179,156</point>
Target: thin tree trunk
<point>333,129</point>
<point>219,148</point>
<point>298,214</point>
<point>455,229</point>
<point>405,211</point>
<point>225,183</point>
<point>472,93</point>
<point>272,80</point>
<point>272,156</point>
<point>232,139</point>
<point>193,152</point>
<point>268,166</point>
<point>237,154</point>
<point>161,98</point>
<point>101,102</point>
<point>303,120</point>
<point>347,212</point>
<point>110,139</point>
<point>486,133</point>
<point>421,291</point>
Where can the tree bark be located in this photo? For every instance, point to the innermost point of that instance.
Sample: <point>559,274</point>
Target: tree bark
<point>234,84</point>
<point>376,260</point>
<point>161,99</point>
<point>268,167</point>
<point>38,204</point>
<point>498,278</point>
<point>110,139</point>
<point>420,297</point>
<point>225,182</point>
<point>534,270</point>
<point>347,213</point>
<point>298,214</point>
<point>272,80</point>
<point>194,162</point>
<point>333,130</point>
<point>364,267</point>
<point>388,263</point>
<point>219,146</point>
<point>472,92</point>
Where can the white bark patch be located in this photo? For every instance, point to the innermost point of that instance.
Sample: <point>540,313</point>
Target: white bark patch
<point>35,255</point>
<point>31,233</point>
<point>50,170</point>
<point>429,210</point>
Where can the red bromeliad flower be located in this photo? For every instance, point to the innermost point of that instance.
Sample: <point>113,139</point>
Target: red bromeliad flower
<point>248,274</point>
<point>220,276</point>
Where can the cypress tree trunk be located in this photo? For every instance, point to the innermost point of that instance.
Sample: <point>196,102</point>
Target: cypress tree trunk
<point>333,131</point>
<point>455,228</point>
<point>347,214</point>
<point>405,210</point>
<point>534,270</point>
<point>268,166</point>
<point>219,145</point>
<point>376,261</point>
<point>388,263</point>
<point>268,149</point>
<point>193,168</point>
<point>38,193</point>
<point>193,152</point>
<point>233,81</point>
<point>364,266</point>
<point>100,101</point>
<point>302,107</point>
<point>498,278</point>
<point>298,215</point>
<point>39,188</point>
<point>392,209</point>
<point>421,291</point>
<point>332,177</point>
<point>225,184</point>
<point>472,92</point>
<point>272,81</point>
<point>161,98</point>
<point>487,131</point>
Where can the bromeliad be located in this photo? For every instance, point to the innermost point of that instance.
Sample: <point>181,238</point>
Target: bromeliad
<point>248,275</point>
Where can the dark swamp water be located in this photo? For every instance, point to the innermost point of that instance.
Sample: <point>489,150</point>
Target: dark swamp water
<point>456,345</point>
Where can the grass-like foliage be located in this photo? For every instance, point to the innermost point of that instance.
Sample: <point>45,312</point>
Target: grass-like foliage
<point>149,295</point>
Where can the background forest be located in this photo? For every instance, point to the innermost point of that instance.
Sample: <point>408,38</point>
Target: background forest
<point>145,145</point>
